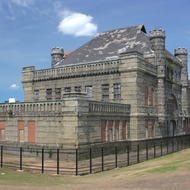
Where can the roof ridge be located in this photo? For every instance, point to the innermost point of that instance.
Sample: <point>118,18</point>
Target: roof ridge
<point>108,31</point>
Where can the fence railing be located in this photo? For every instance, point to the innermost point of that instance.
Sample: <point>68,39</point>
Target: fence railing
<point>89,159</point>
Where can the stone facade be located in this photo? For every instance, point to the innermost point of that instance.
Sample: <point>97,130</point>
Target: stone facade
<point>141,91</point>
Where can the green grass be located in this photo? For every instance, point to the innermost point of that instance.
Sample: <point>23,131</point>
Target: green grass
<point>13,178</point>
<point>164,169</point>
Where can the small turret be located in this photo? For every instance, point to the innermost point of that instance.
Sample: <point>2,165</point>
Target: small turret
<point>181,53</point>
<point>157,39</point>
<point>56,55</point>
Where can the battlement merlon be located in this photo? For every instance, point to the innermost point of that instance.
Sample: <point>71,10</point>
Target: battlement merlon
<point>180,51</point>
<point>160,33</point>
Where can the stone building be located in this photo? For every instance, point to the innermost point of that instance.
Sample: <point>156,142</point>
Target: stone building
<point>122,85</point>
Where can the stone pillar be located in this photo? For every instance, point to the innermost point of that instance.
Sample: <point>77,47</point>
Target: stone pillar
<point>57,55</point>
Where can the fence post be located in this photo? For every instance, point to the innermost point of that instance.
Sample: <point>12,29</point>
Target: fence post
<point>90,160</point>
<point>128,157</point>
<point>76,156</point>
<point>20,158</point>
<point>42,160</point>
<point>57,161</point>
<point>146,151</point>
<point>102,158</point>
<point>1,156</point>
<point>138,153</point>
<point>161,148</point>
<point>154,150</point>
<point>116,156</point>
<point>167,146</point>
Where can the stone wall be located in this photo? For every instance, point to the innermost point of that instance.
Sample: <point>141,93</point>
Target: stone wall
<point>69,122</point>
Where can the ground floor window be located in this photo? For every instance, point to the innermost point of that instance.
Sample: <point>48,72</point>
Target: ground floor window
<point>2,131</point>
<point>21,135</point>
<point>2,134</point>
<point>113,130</point>
<point>110,130</point>
<point>124,130</point>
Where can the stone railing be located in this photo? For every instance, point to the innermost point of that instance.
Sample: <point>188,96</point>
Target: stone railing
<point>77,70</point>
<point>26,107</point>
<point>108,107</point>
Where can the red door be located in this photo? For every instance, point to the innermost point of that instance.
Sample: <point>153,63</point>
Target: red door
<point>31,132</point>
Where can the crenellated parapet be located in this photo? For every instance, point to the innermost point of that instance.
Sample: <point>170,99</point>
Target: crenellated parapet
<point>160,33</point>
<point>180,51</point>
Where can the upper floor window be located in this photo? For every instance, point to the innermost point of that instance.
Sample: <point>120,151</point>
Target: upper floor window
<point>88,90</point>
<point>58,93</point>
<point>77,88</point>
<point>105,92</point>
<point>117,91</point>
<point>49,94</point>
<point>67,89</point>
<point>146,96</point>
<point>36,95</point>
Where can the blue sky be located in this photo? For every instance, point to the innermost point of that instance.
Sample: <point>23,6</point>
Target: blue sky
<point>30,28</point>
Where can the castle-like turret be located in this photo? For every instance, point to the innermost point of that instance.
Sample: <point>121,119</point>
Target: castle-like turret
<point>157,39</point>
<point>56,55</point>
<point>181,53</point>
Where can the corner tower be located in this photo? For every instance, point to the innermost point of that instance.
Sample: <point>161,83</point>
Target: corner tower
<point>157,39</point>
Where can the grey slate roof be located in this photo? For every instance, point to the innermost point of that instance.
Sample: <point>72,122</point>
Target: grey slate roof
<point>109,45</point>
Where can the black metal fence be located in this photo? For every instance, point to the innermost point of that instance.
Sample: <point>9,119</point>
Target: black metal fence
<point>89,159</point>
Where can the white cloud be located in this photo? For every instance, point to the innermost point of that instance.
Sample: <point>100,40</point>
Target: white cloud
<point>77,24</point>
<point>14,86</point>
<point>24,3</point>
